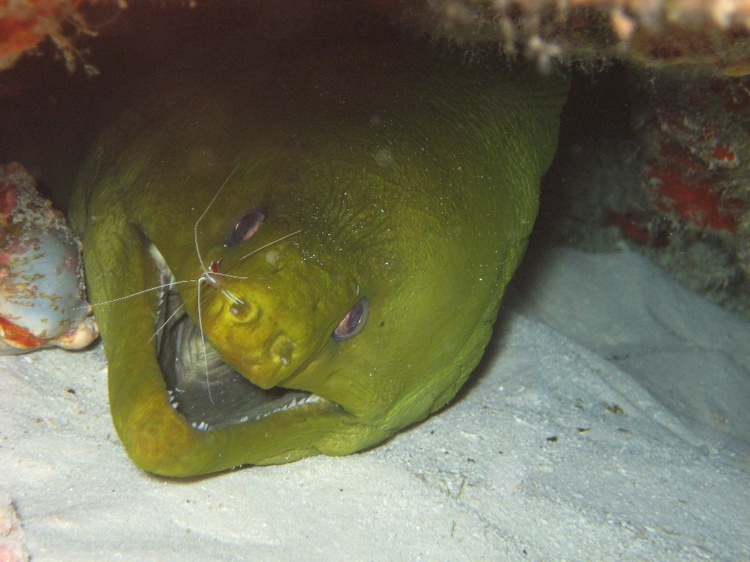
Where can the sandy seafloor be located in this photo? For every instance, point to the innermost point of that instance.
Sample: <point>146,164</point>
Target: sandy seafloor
<point>610,421</point>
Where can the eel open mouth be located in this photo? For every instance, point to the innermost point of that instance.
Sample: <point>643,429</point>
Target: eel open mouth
<point>206,390</point>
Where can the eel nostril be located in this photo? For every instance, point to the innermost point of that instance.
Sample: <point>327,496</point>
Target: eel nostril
<point>283,349</point>
<point>245,311</point>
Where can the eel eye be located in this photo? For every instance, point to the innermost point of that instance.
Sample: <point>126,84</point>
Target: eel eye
<point>246,227</point>
<point>353,322</point>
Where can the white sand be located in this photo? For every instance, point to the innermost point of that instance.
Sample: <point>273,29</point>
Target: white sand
<point>612,421</point>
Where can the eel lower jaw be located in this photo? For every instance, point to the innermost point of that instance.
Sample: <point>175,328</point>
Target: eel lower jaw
<point>200,385</point>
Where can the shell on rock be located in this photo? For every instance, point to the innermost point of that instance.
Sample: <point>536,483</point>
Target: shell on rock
<point>42,293</point>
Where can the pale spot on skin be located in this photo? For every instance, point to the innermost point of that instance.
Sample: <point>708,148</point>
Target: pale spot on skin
<point>384,157</point>
<point>272,257</point>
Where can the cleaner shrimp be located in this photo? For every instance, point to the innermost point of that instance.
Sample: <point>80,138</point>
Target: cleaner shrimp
<point>211,275</point>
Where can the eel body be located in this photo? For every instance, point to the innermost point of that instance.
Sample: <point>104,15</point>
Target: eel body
<point>333,234</point>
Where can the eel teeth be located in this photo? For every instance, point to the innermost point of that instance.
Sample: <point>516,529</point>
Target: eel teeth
<point>202,426</point>
<point>296,402</point>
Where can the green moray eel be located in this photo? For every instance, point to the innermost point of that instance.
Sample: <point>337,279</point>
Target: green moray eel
<point>332,235</point>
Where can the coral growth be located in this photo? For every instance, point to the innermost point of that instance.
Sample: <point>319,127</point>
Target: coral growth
<point>694,136</point>
<point>12,536</point>
<point>651,31</point>
<point>42,297</point>
<point>25,23</point>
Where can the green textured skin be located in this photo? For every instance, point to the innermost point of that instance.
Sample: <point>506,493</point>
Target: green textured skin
<point>412,178</point>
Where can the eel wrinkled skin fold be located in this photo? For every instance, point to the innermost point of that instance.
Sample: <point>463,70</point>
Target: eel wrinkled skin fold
<point>307,256</point>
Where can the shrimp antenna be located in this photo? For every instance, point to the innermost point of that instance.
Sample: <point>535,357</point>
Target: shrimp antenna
<point>200,218</point>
